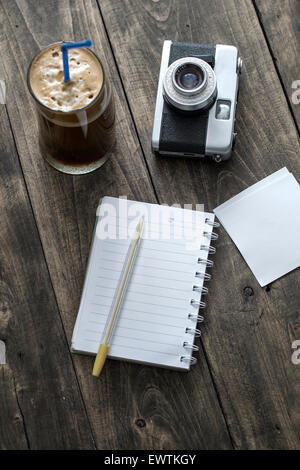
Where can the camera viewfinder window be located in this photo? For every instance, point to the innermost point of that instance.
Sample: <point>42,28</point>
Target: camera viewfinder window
<point>223,109</point>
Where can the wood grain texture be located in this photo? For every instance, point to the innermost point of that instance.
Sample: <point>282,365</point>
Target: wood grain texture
<point>37,393</point>
<point>248,330</point>
<point>129,406</point>
<point>12,431</point>
<point>281,22</point>
<point>2,352</point>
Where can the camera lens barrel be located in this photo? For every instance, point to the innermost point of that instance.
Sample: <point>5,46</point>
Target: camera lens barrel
<point>190,84</point>
<point>189,78</point>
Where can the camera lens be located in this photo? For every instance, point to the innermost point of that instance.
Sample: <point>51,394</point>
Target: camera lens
<point>190,84</point>
<point>189,76</point>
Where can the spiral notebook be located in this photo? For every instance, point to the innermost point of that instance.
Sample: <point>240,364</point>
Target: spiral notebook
<point>158,321</point>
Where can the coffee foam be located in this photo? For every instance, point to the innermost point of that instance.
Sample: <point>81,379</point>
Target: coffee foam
<point>47,78</point>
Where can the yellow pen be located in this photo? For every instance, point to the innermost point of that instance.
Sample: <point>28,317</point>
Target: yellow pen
<point>117,300</point>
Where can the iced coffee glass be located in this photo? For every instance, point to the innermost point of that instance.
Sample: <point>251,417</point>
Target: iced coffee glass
<point>76,119</point>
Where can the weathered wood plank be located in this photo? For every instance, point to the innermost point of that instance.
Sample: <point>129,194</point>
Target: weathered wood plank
<point>12,434</point>
<point>130,406</point>
<point>249,330</point>
<point>39,391</point>
<point>281,22</point>
<point>2,352</point>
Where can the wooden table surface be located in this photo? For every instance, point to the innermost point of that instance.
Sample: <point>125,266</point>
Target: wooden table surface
<point>244,392</point>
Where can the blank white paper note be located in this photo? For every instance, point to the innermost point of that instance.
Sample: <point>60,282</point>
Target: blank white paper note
<point>264,223</point>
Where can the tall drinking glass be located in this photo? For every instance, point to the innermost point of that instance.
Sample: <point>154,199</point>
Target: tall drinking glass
<point>77,118</point>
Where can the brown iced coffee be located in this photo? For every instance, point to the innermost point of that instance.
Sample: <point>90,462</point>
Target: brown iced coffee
<point>76,119</point>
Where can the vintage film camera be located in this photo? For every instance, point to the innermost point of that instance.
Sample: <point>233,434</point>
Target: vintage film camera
<point>196,100</point>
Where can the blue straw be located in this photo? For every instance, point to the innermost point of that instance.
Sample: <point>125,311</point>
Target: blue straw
<point>64,49</point>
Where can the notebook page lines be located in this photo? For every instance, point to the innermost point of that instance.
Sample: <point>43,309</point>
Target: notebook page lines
<point>156,307</point>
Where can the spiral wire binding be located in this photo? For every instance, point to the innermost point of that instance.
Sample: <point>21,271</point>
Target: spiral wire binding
<point>193,331</point>
<point>211,235</point>
<point>212,224</point>
<point>203,290</point>
<point>199,304</point>
<point>190,346</point>
<point>189,359</point>
<point>207,262</point>
<point>195,316</point>
<point>211,249</point>
<point>204,276</point>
